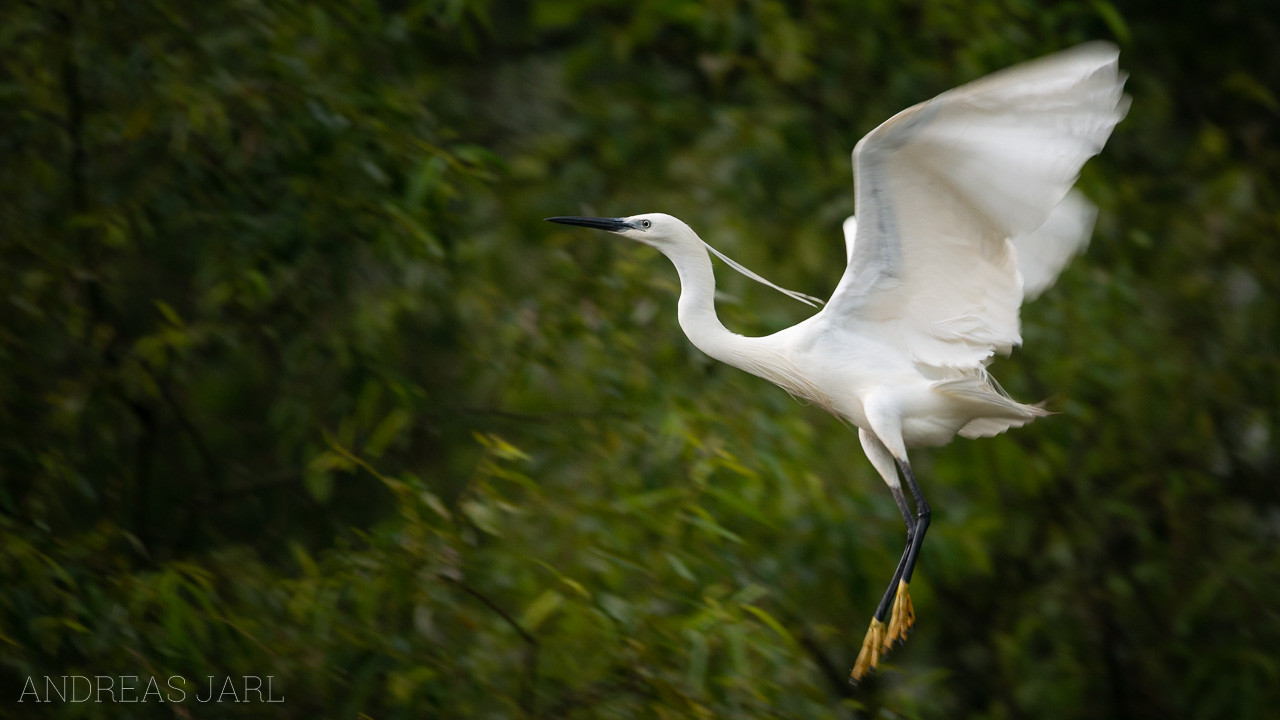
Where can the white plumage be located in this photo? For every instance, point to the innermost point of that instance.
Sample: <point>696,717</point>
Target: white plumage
<point>943,186</point>
<point>965,208</point>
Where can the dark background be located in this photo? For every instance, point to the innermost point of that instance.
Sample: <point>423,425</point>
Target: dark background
<point>294,380</point>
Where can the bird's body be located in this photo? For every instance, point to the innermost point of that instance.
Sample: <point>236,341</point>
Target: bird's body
<point>843,367</point>
<point>965,208</point>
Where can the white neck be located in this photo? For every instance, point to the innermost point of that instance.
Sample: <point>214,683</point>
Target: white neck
<point>697,309</point>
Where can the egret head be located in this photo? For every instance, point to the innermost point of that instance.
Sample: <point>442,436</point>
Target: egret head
<point>675,239</point>
<point>656,229</point>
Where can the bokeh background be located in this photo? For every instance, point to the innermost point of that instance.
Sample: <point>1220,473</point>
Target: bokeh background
<point>294,380</point>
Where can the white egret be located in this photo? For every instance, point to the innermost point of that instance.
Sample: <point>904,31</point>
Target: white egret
<point>965,209</point>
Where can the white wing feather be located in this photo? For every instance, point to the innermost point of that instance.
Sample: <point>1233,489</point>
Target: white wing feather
<point>850,234</point>
<point>943,186</point>
<point>1044,252</point>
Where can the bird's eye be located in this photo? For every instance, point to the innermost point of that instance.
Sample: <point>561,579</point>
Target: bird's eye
<point>645,224</point>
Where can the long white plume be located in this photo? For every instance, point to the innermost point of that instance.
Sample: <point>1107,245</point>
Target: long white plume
<point>806,299</point>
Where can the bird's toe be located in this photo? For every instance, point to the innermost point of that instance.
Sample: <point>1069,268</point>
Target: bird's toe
<point>901,620</point>
<point>869,656</point>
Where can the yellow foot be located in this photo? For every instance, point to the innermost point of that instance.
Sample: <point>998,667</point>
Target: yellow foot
<point>869,658</point>
<point>901,619</point>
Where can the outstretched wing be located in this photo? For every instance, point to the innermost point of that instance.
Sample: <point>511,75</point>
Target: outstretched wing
<point>1044,252</point>
<point>850,234</point>
<point>944,186</point>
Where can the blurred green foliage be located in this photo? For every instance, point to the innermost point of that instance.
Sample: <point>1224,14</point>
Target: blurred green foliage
<point>295,382</point>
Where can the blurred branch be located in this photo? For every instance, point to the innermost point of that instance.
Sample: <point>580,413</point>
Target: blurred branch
<point>528,696</point>
<point>197,438</point>
<point>78,188</point>
<point>143,461</point>
<point>835,677</point>
<point>623,681</point>
<point>70,75</point>
<point>536,417</point>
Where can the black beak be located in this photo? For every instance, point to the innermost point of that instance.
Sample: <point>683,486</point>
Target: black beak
<point>610,224</point>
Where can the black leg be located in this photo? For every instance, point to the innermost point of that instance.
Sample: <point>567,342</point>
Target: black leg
<point>881,636</point>
<point>882,610</point>
<point>923,513</point>
<point>903,508</point>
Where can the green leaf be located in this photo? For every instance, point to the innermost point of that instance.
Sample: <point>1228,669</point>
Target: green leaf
<point>416,229</point>
<point>546,604</point>
<point>681,569</point>
<point>482,515</point>
<point>772,622</point>
<point>169,313</point>
<point>320,485</point>
<point>386,432</point>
